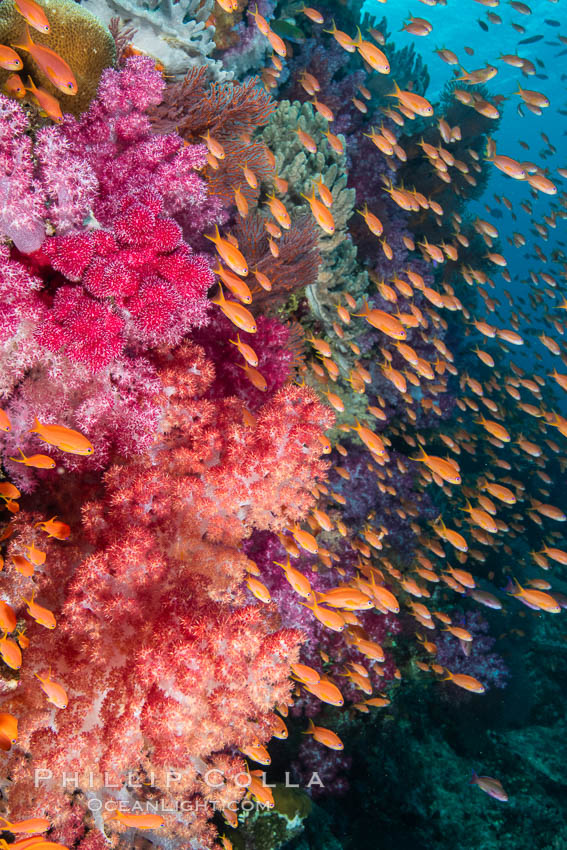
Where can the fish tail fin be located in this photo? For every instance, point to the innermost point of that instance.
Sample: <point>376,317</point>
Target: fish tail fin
<point>36,426</point>
<point>333,31</point>
<point>474,777</point>
<point>366,309</point>
<point>28,41</point>
<point>310,728</point>
<point>214,238</point>
<point>396,91</point>
<point>512,586</point>
<point>423,454</point>
<point>219,299</point>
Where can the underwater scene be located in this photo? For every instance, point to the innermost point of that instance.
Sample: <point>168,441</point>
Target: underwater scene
<point>283,425</point>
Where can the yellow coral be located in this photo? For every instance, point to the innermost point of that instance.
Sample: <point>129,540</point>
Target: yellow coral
<point>76,35</point>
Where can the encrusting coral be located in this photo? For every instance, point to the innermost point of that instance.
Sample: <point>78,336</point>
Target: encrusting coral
<point>76,35</point>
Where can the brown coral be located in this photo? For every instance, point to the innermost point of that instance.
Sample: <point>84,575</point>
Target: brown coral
<point>296,266</point>
<point>76,35</point>
<point>228,109</point>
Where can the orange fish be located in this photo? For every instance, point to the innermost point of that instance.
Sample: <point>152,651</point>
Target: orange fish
<point>412,101</point>
<point>258,589</point>
<point>258,753</point>
<point>142,821</point>
<point>279,212</point>
<point>492,787</point>
<point>326,691</point>
<point>37,461</point>
<point>54,528</point>
<point>229,253</point>
<point>237,313</point>
<point>305,539</point>
<point>8,491</point>
<point>34,14</point>
<point>23,566</point>
<point>332,619</point>
<point>10,652</point>
<point>10,60</point>
<point>536,599</point>
<point>324,736</point>
<point>305,674</point>
<point>14,86</point>
<point>41,615</point>
<point>66,439</point>
<point>262,793</point>
<point>246,351</point>
<point>9,727</point>
<point>8,620</point>
<point>296,579</point>
<point>372,55</point>
<point>236,285</point>
<point>31,825</point>
<point>469,683</point>
<point>46,102</point>
<point>371,440</point>
<point>373,222</point>
<point>446,469</point>
<point>321,213</point>
<point>241,202</point>
<point>313,14</point>
<point>55,693</point>
<point>227,6</point>
<point>52,65</point>
<point>342,38</point>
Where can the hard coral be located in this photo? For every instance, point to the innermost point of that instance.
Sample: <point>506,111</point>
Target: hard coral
<point>76,35</point>
<point>179,35</point>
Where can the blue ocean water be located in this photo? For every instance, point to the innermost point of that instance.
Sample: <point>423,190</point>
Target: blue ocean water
<point>456,26</point>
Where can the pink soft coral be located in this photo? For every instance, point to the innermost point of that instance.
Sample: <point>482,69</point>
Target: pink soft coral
<point>165,665</point>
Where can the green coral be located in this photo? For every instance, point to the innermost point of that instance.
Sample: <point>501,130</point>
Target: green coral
<point>339,270</point>
<point>271,829</point>
<point>76,35</point>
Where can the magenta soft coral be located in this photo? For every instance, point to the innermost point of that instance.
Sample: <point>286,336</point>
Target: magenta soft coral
<point>115,136</point>
<point>149,286</point>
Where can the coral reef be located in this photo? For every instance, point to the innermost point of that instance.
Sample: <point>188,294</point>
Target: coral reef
<point>76,35</point>
<point>479,660</point>
<point>300,168</point>
<point>177,34</point>
<point>212,480</point>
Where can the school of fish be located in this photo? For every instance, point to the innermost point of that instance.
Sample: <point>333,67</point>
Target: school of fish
<point>495,464</point>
